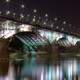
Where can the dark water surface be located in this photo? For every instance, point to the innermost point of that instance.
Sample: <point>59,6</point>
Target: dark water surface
<point>42,68</point>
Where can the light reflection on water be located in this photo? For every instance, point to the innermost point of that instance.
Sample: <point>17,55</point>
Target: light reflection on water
<point>61,70</point>
<point>40,69</point>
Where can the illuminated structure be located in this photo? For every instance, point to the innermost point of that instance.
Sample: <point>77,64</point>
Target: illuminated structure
<point>32,31</point>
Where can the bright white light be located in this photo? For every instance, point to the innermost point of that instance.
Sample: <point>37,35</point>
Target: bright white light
<point>9,33</point>
<point>9,29</point>
<point>57,36</point>
<point>35,11</point>
<point>74,65</point>
<point>25,28</point>
<point>72,39</point>
<point>46,15</point>
<point>64,22</point>
<point>42,75</point>
<point>44,23</point>
<point>22,6</point>
<point>7,12</point>
<point>57,73</point>
<point>39,17</point>
<point>34,16</point>
<point>70,70</point>
<point>11,73</point>
<point>57,27</point>
<point>21,15</point>
<point>7,0</point>
<point>55,19</point>
<point>34,20</point>
<point>62,29</point>
<point>50,73</point>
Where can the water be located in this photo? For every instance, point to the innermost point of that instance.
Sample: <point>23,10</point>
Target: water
<point>43,68</point>
<point>48,69</point>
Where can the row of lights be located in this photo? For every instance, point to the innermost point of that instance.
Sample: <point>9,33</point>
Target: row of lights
<point>22,5</point>
<point>39,18</point>
<point>34,19</point>
<point>22,16</point>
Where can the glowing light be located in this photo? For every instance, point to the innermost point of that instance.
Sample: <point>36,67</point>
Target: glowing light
<point>34,19</point>
<point>9,29</point>
<point>70,70</point>
<point>72,40</point>
<point>22,6</point>
<point>0,12</point>
<point>7,0</point>
<point>57,73</point>
<point>52,25</point>
<point>7,12</point>
<point>21,15</point>
<point>55,19</point>
<point>46,15</point>
<point>9,33</point>
<point>74,67</point>
<point>62,29</point>
<point>49,73</point>
<point>25,27</point>
<point>64,22</point>
<point>44,23</point>
<point>34,10</point>
<point>42,75</point>
<point>34,16</point>
<point>11,73</point>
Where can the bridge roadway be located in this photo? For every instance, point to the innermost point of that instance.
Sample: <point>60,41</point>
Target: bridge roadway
<point>37,26</point>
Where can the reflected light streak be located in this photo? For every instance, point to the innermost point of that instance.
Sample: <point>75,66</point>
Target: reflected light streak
<point>42,75</point>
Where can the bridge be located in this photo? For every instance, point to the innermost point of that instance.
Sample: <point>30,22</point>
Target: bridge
<point>47,30</point>
<point>30,34</point>
<point>33,35</point>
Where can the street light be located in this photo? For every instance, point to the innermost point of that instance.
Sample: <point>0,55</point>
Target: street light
<point>22,6</point>
<point>7,0</point>
<point>7,12</point>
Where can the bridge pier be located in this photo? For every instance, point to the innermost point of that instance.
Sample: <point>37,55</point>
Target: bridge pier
<point>4,57</point>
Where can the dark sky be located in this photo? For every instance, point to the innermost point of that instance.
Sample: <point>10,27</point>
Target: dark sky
<point>62,8</point>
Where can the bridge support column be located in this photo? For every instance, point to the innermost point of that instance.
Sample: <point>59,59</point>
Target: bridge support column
<point>4,57</point>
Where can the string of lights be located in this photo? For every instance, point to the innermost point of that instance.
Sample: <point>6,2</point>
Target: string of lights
<point>33,16</point>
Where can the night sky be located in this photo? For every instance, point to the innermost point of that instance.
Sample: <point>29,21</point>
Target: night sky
<point>60,8</point>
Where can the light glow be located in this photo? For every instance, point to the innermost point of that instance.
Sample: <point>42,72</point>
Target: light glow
<point>22,6</point>
<point>25,28</point>
<point>34,10</point>
<point>21,15</point>
<point>7,12</point>
<point>7,0</point>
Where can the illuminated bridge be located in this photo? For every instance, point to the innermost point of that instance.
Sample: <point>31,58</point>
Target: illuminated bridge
<point>35,27</point>
<point>28,37</point>
<point>32,43</point>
